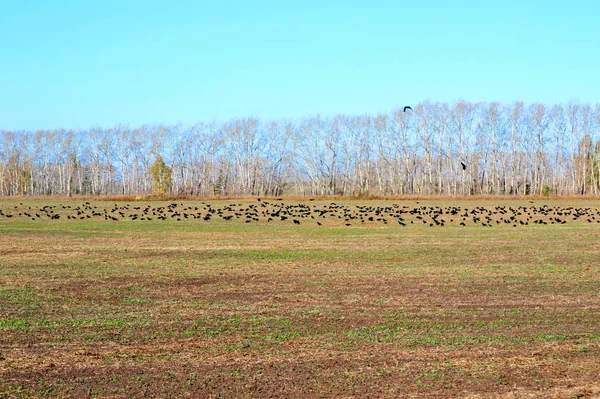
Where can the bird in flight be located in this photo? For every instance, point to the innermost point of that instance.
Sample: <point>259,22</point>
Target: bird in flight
<point>463,166</point>
<point>407,107</point>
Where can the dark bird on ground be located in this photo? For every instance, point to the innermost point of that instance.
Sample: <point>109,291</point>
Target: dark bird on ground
<point>407,107</point>
<point>464,167</point>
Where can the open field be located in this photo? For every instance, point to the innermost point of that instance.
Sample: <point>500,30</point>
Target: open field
<point>408,304</point>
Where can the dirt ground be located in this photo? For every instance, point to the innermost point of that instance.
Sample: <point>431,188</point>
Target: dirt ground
<point>348,308</point>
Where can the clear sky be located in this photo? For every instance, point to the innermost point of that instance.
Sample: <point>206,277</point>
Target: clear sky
<point>84,63</point>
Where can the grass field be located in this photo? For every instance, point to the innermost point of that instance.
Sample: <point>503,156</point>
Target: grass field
<point>223,308</point>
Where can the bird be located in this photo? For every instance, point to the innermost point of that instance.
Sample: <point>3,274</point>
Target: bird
<point>464,167</point>
<point>407,107</point>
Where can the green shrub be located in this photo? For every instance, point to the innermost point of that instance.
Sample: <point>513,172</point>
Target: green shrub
<point>546,191</point>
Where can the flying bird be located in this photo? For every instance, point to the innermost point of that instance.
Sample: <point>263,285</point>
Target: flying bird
<point>407,107</point>
<point>463,166</point>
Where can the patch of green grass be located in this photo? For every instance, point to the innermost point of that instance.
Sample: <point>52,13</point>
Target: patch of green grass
<point>18,296</point>
<point>22,324</point>
<point>114,323</point>
<point>551,337</point>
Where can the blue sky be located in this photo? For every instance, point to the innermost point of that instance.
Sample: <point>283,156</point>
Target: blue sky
<point>78,64</point>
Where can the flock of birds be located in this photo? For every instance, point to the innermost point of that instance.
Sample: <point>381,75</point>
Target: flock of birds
<point>316,214</point>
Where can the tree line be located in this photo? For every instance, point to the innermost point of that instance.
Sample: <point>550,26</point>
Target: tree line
<point>506,149</point>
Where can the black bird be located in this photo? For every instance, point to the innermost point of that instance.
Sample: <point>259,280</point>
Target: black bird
<point>407,107</point>
<point>464,167</point>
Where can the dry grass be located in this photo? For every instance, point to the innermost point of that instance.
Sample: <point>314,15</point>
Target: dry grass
<point>362,197</point>
<point>134,309</point>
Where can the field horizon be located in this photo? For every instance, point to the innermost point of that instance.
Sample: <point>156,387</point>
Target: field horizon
<point>300,198</point>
